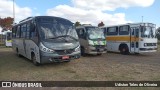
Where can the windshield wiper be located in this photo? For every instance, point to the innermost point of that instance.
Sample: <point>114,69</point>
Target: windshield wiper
<point>71,37</point>
<point>56,37</point>
<point>64,37</point>
<point>59,37</point>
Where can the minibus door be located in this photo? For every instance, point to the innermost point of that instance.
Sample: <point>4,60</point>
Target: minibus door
<point>134,43</point>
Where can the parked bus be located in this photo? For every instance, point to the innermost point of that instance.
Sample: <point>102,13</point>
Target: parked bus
<point>46,39</point>
<point>92,40</point>
<point>8,39</point>
<point>131,38</point>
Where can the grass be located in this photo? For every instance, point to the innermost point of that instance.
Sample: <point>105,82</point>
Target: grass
<point>1,44</point>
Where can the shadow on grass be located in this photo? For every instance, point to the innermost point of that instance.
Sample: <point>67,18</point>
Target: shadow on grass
<point>93,55</point>
<point>53,64</point>
<point>9,59</point>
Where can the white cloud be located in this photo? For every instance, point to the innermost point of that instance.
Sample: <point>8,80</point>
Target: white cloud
<point>110,5</point>
<point>87,16</point>
<point>6,9</point>
<point>94,11</point>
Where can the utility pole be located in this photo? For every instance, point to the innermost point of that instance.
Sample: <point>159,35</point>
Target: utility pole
<point>142,19</point>
<point>13,13</point>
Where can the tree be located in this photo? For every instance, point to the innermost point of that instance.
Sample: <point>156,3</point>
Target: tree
<point>6,23</point>
<point>101,24</point>
<point>77,24</point>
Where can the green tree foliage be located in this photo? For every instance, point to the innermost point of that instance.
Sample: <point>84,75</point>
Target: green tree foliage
<point>77,24</point>
<point>101,24</point>
<point>6,23</point>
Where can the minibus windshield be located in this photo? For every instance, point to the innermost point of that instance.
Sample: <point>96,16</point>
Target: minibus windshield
<point>57,31</point>
<point>95,33</point>
<point>148,32</point>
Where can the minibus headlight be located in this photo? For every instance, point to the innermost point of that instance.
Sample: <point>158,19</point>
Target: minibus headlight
<point>45,49</point>
<point>91,43</point>
<point>77,48</point>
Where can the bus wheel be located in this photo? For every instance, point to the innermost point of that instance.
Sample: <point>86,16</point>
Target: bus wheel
<point>124,50</point>
<point>34,60</point>
<point>82,51</point>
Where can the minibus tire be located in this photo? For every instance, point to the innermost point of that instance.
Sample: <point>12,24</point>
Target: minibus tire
<point>34,60</point>
<point>82,51</point>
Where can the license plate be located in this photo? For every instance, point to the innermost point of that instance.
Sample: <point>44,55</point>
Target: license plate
<point>65,57</point>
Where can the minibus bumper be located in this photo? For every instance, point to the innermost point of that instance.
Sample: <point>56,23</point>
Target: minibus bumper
<point>141,50</point>
<point>50,58</point>
<point>96,50</point>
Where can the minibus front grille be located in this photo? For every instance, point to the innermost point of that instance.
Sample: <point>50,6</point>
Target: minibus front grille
<point>100,46</point>
<point>63,52</point>
<point>151,44</point>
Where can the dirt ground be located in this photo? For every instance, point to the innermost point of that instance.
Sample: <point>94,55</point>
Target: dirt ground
<point>108,67</point>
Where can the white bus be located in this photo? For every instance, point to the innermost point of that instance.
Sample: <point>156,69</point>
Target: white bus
<point>92,40</point>
<point>131,38</point>
<point>46,39</point>
<point>8,39</point>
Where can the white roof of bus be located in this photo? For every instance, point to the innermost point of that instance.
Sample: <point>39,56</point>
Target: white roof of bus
<point>128,24</point>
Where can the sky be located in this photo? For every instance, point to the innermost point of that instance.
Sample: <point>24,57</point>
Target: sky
<point>111,12</point>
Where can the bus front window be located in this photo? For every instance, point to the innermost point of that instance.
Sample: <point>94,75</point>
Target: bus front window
<point>148,32</point>
<point>95,33</point>
<point>58,31</point>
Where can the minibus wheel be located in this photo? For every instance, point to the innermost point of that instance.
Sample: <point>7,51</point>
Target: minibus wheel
<point>34,60</point>
<point>82,51</point>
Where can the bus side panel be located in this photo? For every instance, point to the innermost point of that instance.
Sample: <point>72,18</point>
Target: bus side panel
<point>8,43</point>
<point>32,47</point>
<point>113,46</point>
<point>21,47</point>
<point>14,45</point>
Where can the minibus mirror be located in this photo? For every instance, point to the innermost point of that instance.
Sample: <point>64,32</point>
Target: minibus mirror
<point>85,36</point>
